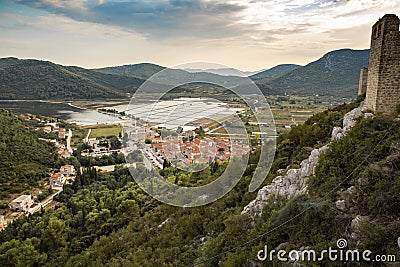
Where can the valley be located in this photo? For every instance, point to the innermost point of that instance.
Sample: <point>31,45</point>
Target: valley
<point>199,133</point>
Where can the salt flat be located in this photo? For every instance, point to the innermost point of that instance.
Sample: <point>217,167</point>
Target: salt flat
<point>174,113</point>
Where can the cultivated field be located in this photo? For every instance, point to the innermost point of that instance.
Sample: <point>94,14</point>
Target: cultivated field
<point>107,131</point>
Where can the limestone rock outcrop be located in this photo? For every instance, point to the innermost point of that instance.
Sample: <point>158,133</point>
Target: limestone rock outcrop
<point>294,182</point>
<point>287,186</point>
<point>349,120</point>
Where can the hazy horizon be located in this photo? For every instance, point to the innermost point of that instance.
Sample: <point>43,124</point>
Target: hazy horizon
<point>185,63</point>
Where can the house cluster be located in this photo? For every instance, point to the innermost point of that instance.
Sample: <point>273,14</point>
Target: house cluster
<point>25,203</point>
<point>29,117</point>
<point>198,150</point>
<point>48,125</point>
<point>53,127</point>
<point>61,149</point>
<point>66,174</point>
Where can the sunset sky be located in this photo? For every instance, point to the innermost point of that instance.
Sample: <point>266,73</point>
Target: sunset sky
<point>244,34</point>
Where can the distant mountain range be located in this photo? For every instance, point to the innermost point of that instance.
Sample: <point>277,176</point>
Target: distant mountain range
<point>225,72</point>
<point>141,70</point>
<point>335,74</point>
<point>272,73</point>
<point>146,70</point>
<point>171,76</point>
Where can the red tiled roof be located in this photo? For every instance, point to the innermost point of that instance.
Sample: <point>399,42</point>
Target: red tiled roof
<point>56,176</point>
<point>67,166</point>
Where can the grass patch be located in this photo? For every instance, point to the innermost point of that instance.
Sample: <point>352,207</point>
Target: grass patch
<point>104,132</point>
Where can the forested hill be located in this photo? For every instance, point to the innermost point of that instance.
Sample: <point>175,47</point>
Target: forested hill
<point>105,219</point>
<point>274,72</point>
<point>335,74</point>
<point>24,159</point>
<point>141,70</point>
<point>35,79</point>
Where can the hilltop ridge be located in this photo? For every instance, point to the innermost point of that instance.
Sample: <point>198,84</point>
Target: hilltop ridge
<point>334,74</point>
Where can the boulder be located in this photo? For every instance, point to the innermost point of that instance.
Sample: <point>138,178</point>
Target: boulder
<point>366,110</point>
<point>287,186</point>
<point>349,120</point>
<point>340,204</point>
<point>368,115</point>
<point>337,133</point>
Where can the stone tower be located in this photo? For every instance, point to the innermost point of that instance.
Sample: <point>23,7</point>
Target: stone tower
<point>362,86</point>
<point>383,86</point>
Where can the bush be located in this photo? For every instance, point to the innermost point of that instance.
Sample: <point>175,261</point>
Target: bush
<point>44,194</point>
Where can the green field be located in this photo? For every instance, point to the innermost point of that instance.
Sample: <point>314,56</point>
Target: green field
<point>104,132</point>
<point>78,134</point>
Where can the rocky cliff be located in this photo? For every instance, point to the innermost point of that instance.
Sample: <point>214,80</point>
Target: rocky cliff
<point>294,182</point>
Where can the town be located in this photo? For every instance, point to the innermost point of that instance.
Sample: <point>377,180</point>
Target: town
<point>195,131</point>
<point>199,142</point>
<point>187,148</point>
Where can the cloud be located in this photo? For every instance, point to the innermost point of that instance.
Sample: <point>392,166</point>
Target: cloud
<point>66,25</point>
<point>153,19</point>
<point>66,4</point>
<point>175,20</point>
<point>245,33</point>
<point>319,15</point>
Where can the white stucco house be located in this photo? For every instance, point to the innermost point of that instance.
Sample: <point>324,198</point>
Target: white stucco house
<point>21,203</point>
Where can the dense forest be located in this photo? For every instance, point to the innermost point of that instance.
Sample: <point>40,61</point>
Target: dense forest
<point>105,219</point>
<point>25,159</point>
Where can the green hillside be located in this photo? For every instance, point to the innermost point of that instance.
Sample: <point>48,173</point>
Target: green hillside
<point>35,79</point>
<point>121,84</point>
<point>141,70</point>
<point>335,74</point>
<point>105,219</point>
<point>274,72</point>
<point>24,158</point>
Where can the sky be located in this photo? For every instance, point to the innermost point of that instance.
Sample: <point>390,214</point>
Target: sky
<point>248,35</point>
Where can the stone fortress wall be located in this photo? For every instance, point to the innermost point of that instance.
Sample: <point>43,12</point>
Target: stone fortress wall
<point>362,86</point>
<point>383,82</point>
